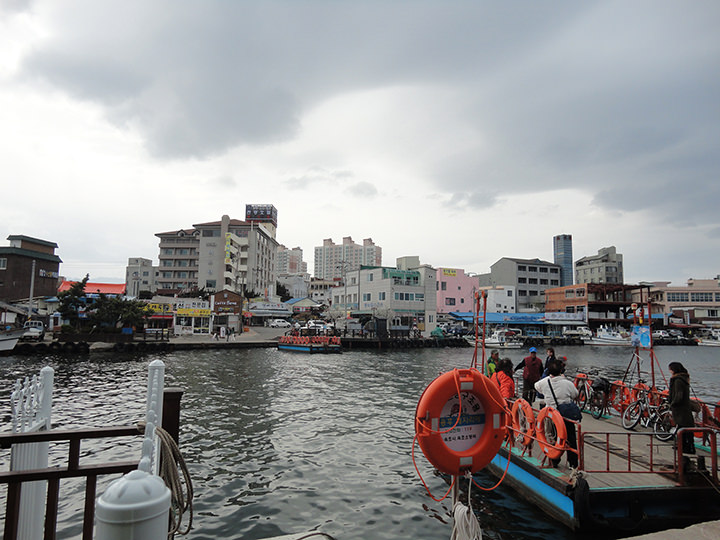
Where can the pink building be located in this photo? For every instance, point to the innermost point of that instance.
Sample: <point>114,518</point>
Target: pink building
<point>455,291</point>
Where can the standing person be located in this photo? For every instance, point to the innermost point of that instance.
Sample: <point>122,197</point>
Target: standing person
<point>549,358</point>
<point>503,378</point>
<point>679,399</point>
<point>562,392</point>
<point>492,363</point>
<point>532,370</point>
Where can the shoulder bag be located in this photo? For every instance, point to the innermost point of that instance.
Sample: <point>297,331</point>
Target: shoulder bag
<point>571,411</point>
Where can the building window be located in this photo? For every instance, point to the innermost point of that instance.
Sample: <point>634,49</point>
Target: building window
<point>366,297</point>
<point>543,282</point>
<point>522,292</point>
<point>677,297</point>
<point>543,270</point>
<point>580,293</point>
<point>210,284</point>
<point>381,296</point>
<point>553,270</point>
<point>554,282</point>
<point>532,269</point>
<point>3,263</point>
<point>522,280</point>
<point>443,286</point>
<point>420,297</point>
<point>570,309</point>
<point>509,293</point>
<point>532,281</point>
<point>370,277</point>
<point>522,268</point>
<point>701,297</point>
<point>449,301</point>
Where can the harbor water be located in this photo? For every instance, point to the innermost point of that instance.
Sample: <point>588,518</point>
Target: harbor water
<point>280,443</point>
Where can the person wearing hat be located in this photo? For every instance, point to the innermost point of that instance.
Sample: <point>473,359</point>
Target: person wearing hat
<point>532,368</point>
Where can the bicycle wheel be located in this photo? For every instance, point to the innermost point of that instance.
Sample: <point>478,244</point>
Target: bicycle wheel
<point>582,398</point>
<point>597,404</point>
<point>632,414</point>
<point>663,426</point>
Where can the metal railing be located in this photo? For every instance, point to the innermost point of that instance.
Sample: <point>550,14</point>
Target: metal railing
<point>73,468</point>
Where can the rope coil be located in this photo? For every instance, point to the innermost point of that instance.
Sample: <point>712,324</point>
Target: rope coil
<point>176,476</point>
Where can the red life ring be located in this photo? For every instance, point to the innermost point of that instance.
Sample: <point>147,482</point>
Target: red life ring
<point>524,426</point>
<point>637,390</point>
<point>579,378</point>
<point>556,423</point>
<point>468,443</point>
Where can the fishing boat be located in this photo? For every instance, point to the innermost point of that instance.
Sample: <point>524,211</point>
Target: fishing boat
<point>708,342</point>
<point>9,338</point>
<point>610,336</point>
<point>499,339</point>
<point>310,344</point>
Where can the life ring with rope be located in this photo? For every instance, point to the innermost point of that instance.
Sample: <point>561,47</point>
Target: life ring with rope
<point>551,432</point>
<point>523,421</point>
<point>460,421</point>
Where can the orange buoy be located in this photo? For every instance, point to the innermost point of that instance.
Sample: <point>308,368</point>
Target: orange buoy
<point>619,396</point>
<point>523,421</point>
<point>460,421</point>
<point>549,427</point>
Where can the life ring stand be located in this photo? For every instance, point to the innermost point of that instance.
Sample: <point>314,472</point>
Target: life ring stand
<point>619,396</point>
<point>456,443</point>
<point>522,429</point>
<point>552,451</point>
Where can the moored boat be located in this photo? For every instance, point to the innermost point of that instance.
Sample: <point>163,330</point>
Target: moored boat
<point>708,342</point>
<point>310,344</point>
<point>9,338</point>
<point>610,336</point>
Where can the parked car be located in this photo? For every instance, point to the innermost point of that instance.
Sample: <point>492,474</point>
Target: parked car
<point>279,323</point>
<point>660,334</point>
<point>675,333</point>
<point>34,331</point>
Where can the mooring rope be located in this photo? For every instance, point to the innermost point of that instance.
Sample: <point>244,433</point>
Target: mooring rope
<point>172,465</point>
<point>465,524</point>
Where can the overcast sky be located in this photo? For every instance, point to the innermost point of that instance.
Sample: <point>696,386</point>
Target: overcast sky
<point>461,132</point>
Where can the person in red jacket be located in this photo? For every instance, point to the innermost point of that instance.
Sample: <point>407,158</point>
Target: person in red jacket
<point>532,368</point>
<point>503,378</point>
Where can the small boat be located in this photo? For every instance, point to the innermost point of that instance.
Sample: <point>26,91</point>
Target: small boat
<point>9,338</point>
<point>499,339</point>
<point>708,342</point>
<point>610,336</point>
<point>310,344</point>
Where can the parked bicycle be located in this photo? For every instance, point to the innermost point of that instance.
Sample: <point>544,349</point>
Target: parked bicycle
<point>592,394</point>
<point>650,415</point>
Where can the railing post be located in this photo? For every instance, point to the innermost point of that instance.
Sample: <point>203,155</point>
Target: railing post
<point>171,412</point>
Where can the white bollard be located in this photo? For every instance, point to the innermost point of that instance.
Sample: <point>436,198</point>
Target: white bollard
<point>134,507</point>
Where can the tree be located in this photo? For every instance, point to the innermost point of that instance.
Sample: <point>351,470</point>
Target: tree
<point>72,301</point>
<point>282,292</point>
<point>114,312</point>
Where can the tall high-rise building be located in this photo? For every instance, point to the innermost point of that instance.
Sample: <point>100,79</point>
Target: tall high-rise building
<point>332,260</point>
<point>290,261</point>
<point>562,251</point>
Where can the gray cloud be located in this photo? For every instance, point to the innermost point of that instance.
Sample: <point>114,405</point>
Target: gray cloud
<point>366,190</point>
<point>319,176</point>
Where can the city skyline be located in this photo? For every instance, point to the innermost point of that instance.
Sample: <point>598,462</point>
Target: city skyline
<point>459,133</point>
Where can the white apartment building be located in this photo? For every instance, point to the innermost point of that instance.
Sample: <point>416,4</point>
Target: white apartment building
<point>698,302</point>
<point>227,254</point>
<point>405,296</point>
<point>331,259</point>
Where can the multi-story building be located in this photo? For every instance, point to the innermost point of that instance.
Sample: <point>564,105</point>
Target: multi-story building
<point>562,254</point>
<point>331,259</point>
<point>28,267</point>
<point>178,258</point>
<point>229,254</point>
<point>455,291</point>
<point>698,302</point>
<point>140,276</point>
<point>597,304</point>
<point>297,285</point>
<point>500,299</point>
<point>319,290</point>
<point>405,296</point>
<point>530,277</point>
<point>290,261</point>
<point>605,267</point>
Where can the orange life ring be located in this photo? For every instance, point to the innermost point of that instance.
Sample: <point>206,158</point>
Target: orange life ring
<point>524,426</point>
<point>579,378</point>
<point>468,443</point>
<point>637,389</point>
<point>556,422</point>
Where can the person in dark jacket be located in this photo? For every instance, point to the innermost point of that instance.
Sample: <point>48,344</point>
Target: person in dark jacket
<point>532,368</point>
<point>679,399</point>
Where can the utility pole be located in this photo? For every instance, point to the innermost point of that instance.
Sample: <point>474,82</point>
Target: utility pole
<point>32,289</point>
